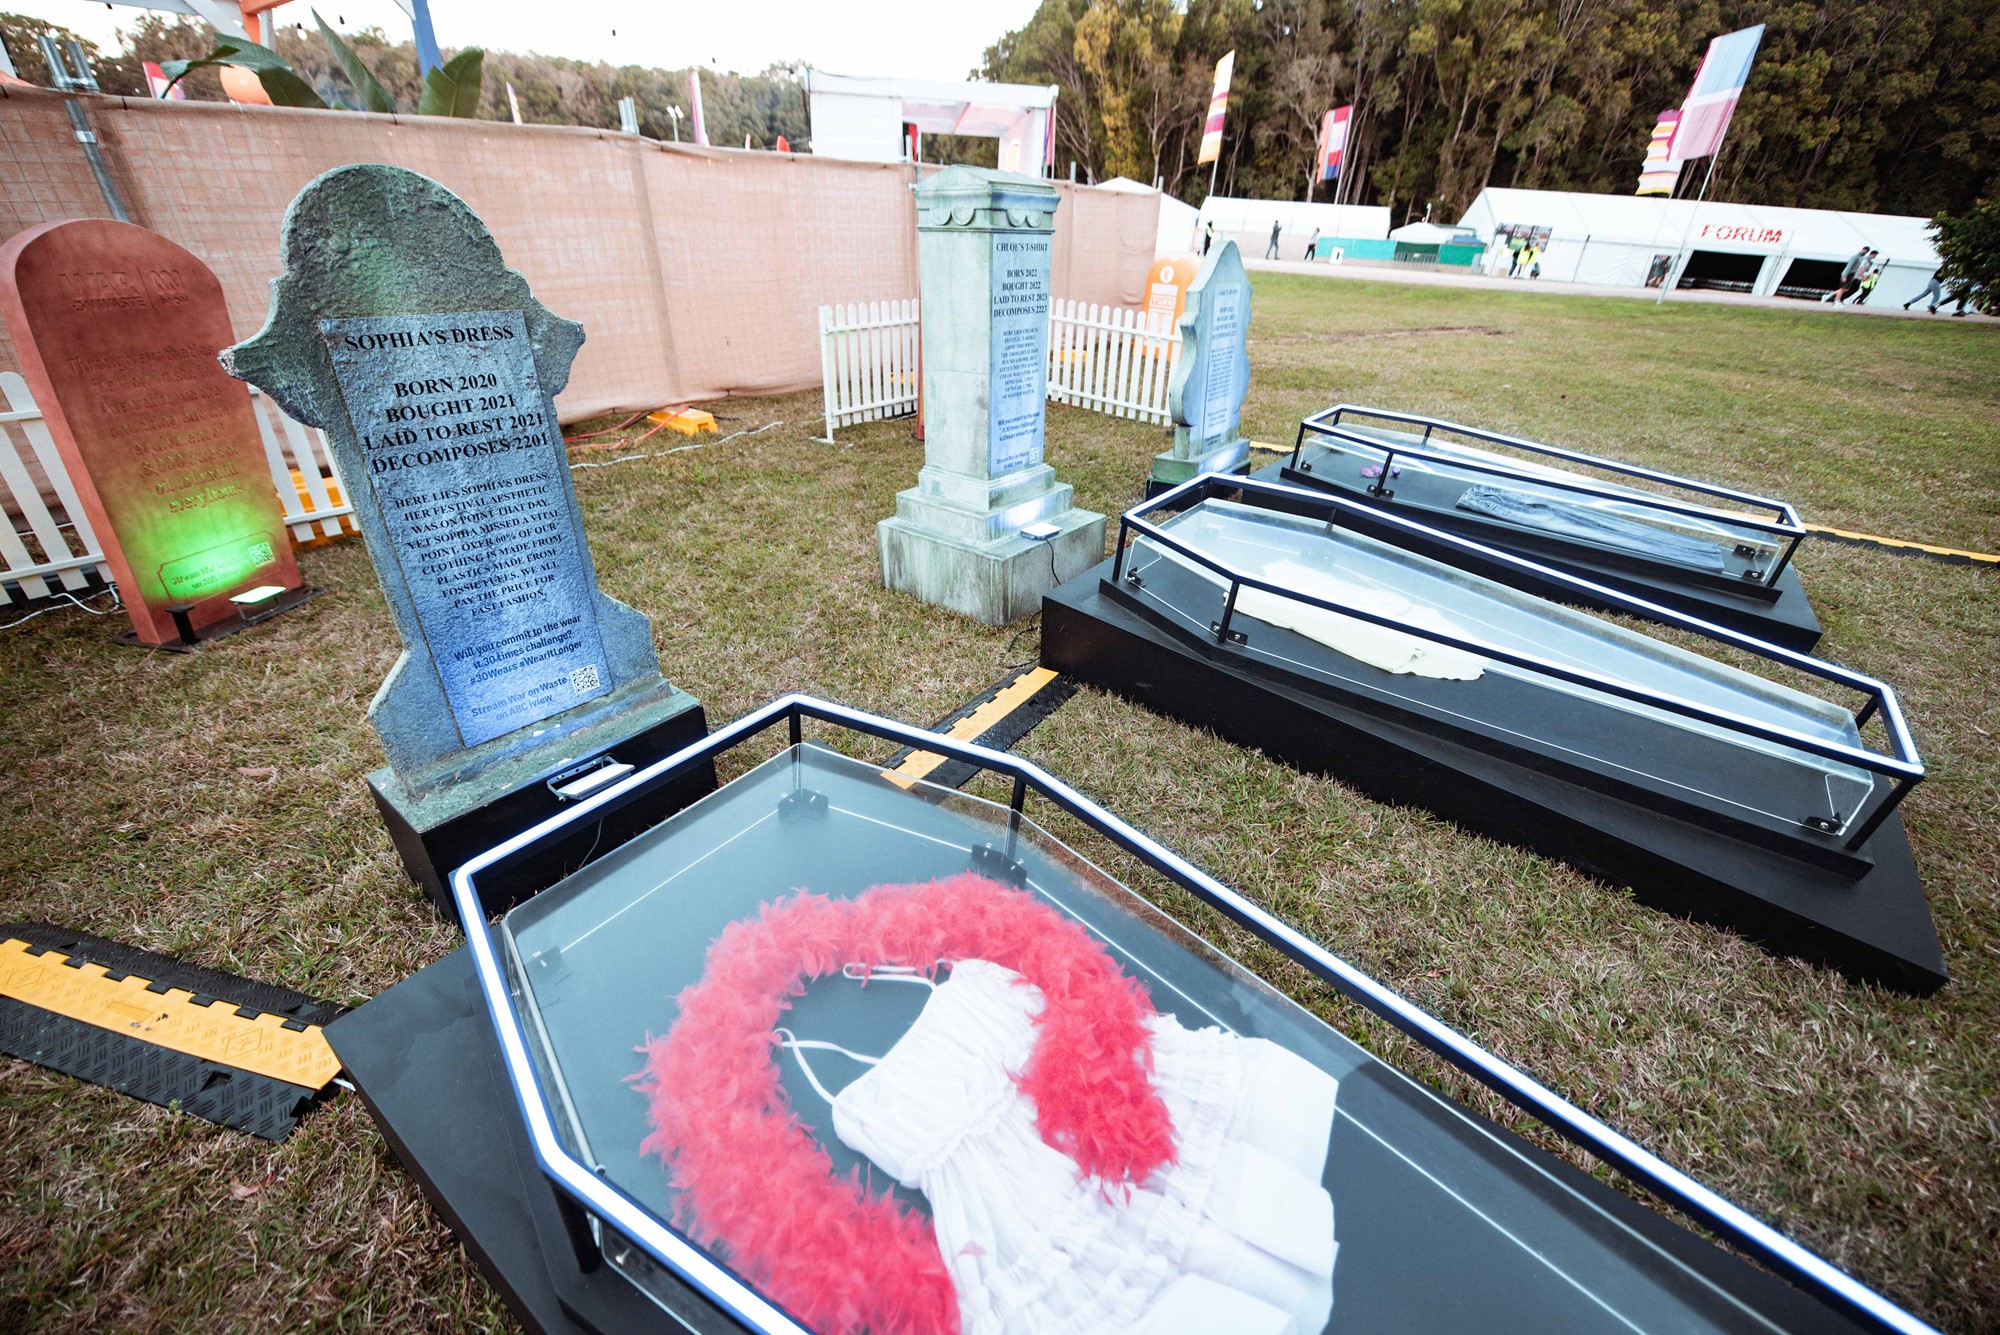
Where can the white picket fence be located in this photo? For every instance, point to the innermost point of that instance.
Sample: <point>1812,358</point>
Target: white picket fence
<point>1105,358</point>
<point>1111,359</point>
<point>290,445</point>
<point>868,361</point>
<point>69,552</point>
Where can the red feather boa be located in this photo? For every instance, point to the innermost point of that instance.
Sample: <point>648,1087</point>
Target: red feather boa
<point>755,1185</point>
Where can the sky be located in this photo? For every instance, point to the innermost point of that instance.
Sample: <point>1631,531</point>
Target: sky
<point>916,39</point>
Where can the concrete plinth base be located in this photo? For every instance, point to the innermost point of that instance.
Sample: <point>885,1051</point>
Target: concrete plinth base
<point>438,830</point>
<point>994,582</point>
<point>1170,469</point>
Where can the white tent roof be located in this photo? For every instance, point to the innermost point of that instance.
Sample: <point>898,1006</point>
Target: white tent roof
<point>988,109</point>
<point>1428,234</point>
<point>1748,228</point>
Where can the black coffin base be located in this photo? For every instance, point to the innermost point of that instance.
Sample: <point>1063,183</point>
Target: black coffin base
<point>1874,929</point>
<point>1786,619</point>
<point>423,1057</point>
<point>431,855</point>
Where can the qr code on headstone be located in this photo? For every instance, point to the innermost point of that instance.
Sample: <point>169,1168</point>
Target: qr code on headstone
<point>583,680</point>
<point>260,553</point>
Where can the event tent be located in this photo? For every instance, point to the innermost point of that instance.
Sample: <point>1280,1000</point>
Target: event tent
<point>1766,250</point>
<point>1248,223</point>
<point>1430,234</point>
<point>1179,223</point>
<point>865,119</point>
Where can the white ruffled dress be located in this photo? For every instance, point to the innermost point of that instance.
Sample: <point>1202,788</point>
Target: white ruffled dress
<point>1234,1238</point>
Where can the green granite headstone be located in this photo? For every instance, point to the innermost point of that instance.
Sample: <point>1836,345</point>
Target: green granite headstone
<point>398,329</point>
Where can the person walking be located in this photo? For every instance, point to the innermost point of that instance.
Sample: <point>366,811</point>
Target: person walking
<point>1847,272</point>
<point>1869,279</point>
<point>1933,290</point>
<point>1312,246</point>
<point>1850,286</point>
<point>1514,259</point>
<point>1529,255</point>
<point>1271,251</point>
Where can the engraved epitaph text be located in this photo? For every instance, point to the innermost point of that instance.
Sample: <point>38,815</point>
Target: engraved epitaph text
<point>1225,383</point>
<point>1020,352</point>
<point>463,454</point>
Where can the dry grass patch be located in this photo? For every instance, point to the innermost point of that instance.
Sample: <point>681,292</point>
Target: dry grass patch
<point>1858,1120</point>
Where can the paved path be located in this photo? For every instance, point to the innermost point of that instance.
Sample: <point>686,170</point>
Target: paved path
<point>1369,273</point>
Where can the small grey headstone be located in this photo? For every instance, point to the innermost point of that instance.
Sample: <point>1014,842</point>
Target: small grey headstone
<point>398,329</point>
<point>1209,385</point>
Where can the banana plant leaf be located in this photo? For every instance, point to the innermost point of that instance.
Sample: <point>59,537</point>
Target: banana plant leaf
<point>374,96</point>
<point>286,88</point>
<point>452,89</point>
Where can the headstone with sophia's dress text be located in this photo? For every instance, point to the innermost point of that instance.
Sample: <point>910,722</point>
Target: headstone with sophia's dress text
<point>397,327</point>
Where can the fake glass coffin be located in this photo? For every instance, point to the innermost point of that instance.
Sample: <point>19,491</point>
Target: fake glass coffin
<point>1711,789</point>
<point>1725,556</point>
<point>826,1051</point>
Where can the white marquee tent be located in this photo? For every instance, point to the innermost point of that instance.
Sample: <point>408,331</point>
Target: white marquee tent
<point>1248,223</point>
<point>1613,239</point>
<point>863,119</point>
<point>1178,223</point>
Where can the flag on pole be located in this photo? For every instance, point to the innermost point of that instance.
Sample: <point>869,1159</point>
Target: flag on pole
<point>1717,85</point>
<point>1660,173</point>
<point>694,107</point>
<point>1333,141</point>
<point>1218,103</point>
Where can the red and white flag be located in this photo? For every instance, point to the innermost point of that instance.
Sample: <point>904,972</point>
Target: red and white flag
<point>1218,107</point>
<point>694,109</point>
<point>1717,86</point>
<point>156,79</point>
<point>1333,141</point>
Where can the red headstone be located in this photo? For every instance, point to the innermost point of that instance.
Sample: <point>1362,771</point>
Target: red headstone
<point>117,330</point>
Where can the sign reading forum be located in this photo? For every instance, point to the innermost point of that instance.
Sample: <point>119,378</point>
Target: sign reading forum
<point>460,444</point>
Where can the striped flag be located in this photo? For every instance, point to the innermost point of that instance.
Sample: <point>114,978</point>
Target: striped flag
<point>156,79</point>
<point>1218,103</point>
<point>694,107</point>
<point>1717,85</point>
<point>1660,173</point>
<point>1333,141</point>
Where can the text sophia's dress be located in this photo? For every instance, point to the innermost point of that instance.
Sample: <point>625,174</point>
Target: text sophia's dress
<point>1234,1238</point>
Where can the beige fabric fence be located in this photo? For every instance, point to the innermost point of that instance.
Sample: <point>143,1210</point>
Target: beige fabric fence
<point>695,272</point>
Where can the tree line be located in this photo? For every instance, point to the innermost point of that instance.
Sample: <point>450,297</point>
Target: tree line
<point>551,90</point>
<point>1879,105</point>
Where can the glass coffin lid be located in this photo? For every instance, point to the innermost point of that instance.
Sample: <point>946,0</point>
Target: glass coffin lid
<point>1724,553</point>
<point>840,1051</point>
<point>1712,787</point>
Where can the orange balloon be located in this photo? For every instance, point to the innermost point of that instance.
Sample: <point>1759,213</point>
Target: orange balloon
<point>241,85</point>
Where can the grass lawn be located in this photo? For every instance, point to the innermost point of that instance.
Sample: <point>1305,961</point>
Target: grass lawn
<point>137,806</point>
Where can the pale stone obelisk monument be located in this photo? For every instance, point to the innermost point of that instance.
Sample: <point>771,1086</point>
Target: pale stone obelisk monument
<point>987,529</point>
